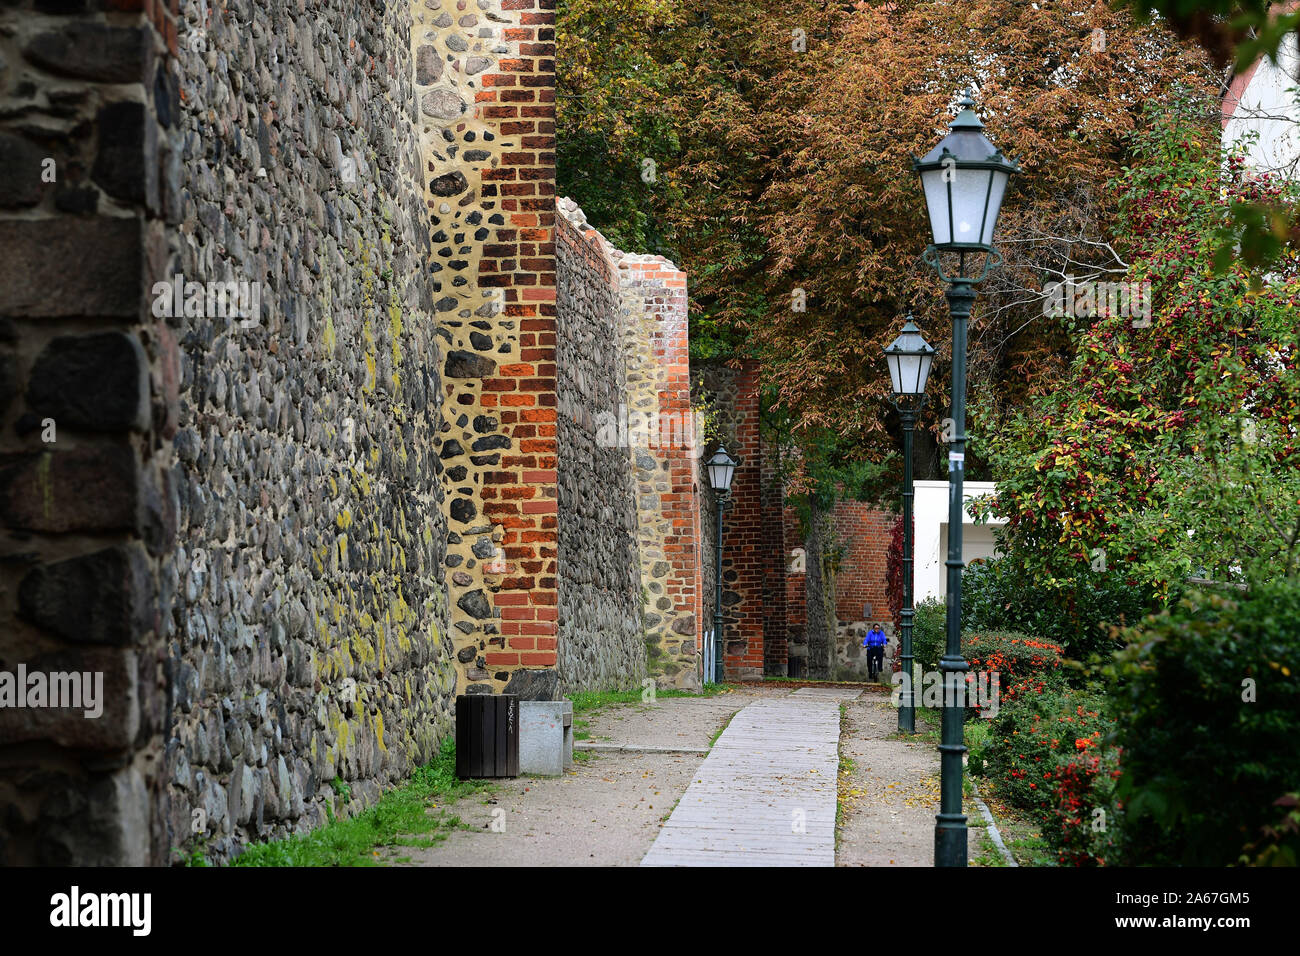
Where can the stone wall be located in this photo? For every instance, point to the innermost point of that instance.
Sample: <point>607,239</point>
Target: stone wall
<point>600,637</point>
<point>309,641</point>
<point>88,400</point>
<point>661,436</point>
<point>279,449</point>
<point>240,521</point>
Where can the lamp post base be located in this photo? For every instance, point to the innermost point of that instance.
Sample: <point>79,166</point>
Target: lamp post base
<point>950,839</point>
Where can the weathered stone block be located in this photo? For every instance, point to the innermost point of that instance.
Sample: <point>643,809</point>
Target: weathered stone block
<point>531,685</point>
<point>120,164</point>
<point>97,382</point>
<point>91,51</point>
<point>98,598</point>
<point>93,488</point>
<point>475,604</point>
<point>99,687</point>
<point>461,364</point>
<point>23,164</point>
<point>103,821</point>
<point>70,268</point>
<point>428,65</point>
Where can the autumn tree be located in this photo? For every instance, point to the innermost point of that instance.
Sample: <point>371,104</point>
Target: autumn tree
<point>782,144</point>
<point>1060,88</point>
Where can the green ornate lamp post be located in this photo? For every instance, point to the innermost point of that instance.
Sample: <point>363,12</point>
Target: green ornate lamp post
<point>964,179</point>
<point>909,358</point>
<point>721,467</point>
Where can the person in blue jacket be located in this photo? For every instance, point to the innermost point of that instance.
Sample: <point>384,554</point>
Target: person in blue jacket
<point>875,642</point>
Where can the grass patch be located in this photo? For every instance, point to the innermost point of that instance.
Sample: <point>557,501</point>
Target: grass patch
<point>845,792</point>
<point>402,817</point>
<point>718,733</point>
<point>664,818</point>
<point>1020,832</point>
<point>988,854</point>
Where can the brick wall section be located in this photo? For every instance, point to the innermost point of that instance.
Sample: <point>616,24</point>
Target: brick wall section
<point>765,603</point>
<point>486,83</point>
<point>776,644</point>
<point>521,262</point>
<point>864,533</point>
<point>745,557</point>
<point>796,590</point>
<point>733,393</point>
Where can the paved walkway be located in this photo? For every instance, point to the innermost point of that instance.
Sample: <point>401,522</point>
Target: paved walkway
<point>765,795</point>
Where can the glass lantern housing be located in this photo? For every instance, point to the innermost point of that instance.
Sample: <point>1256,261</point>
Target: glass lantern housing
<point>909,358</point>
<point>722,467</point>
<point>964,179</point>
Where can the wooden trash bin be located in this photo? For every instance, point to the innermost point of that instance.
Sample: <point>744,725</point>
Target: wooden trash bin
<point>487,736</point>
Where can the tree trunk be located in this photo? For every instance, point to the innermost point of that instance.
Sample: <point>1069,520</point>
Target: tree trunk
<point>820,589</point>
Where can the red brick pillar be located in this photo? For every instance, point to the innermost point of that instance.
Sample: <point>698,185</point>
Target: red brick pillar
<point>776,649</point>
<point>743,537</point>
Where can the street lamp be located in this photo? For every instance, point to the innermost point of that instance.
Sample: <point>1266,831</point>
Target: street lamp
<point>909,358</point>
<point>964,179</point>
<point>721,467</point>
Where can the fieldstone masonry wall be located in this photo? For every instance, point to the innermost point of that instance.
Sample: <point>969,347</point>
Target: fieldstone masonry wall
<point>309,640</point>
<point>661,436</point>
<point>601,645</point>
<point>630,387</point>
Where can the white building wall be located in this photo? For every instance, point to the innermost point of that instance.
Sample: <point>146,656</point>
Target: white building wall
<point>931,510</point>
<point>1263,100</point>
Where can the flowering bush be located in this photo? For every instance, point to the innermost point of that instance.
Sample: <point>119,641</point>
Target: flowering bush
<point>1170,447</point>
<point>1032,738</point>
<point>1084,827</point>
<point>1051,754</point>
<point>1025,666</point>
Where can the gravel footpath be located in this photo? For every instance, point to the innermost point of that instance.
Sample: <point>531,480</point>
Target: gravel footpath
<point>891,796</point>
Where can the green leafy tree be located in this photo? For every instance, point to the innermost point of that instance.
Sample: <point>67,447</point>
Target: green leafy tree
<point>1169,451</point>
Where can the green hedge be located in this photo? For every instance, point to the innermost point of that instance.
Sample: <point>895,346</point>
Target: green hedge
<point>929,633</point>
<point>1079,614</point>
<point>1207,701</point>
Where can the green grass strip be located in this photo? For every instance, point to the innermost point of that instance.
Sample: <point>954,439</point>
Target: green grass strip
<point>402,817</point>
